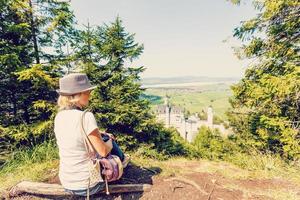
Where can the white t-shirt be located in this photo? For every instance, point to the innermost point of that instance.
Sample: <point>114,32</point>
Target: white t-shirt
<point>73,165</point>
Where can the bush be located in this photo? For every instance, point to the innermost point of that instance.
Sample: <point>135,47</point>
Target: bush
<point>27,135</point>
<point>211,145</point>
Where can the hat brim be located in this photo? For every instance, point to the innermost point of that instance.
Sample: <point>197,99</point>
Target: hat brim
<point>71,93</point>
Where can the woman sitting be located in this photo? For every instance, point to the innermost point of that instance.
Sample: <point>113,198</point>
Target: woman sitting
<point>74,94</point>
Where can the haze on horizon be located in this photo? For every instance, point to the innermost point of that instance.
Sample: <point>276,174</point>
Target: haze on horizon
<point>181,38</point>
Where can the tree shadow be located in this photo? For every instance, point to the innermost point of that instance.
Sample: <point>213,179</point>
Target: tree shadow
<point>133,174</point>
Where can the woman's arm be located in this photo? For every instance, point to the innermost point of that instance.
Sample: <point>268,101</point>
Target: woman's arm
<point>101,147</point>
<point>108,134</point>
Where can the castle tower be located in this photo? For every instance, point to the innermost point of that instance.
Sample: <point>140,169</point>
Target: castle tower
<point>210,117</point>
<point>168,111</point>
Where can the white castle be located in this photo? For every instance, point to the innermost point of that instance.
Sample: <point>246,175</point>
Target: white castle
<point>187,126</point>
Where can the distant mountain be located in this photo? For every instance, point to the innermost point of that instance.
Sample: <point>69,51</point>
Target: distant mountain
<point>186,79</point>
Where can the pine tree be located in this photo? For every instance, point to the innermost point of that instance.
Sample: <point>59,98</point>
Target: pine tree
<point>118,101</point>
<point>15,50</point>
<point>266,102</point>
<point>32,39</point>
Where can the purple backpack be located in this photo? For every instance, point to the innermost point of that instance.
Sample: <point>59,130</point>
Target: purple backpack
<point>110,168</point>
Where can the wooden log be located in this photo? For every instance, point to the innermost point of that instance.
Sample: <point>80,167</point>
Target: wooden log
<point>39,188</point>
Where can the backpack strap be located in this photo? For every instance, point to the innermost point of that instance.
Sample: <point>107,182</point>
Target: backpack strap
<point>88,144</point>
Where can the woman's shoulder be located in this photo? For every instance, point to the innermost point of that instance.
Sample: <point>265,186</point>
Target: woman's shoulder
<point>67,113</point>
<point>89,113</point>
<point>86,111</point>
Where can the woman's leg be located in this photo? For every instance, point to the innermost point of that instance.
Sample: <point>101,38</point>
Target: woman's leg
<point>116,149</point>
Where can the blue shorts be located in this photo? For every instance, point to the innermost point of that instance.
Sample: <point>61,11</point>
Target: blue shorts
<point>93,190</point>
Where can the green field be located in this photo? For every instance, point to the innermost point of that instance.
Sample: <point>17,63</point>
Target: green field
<point>194,98</point>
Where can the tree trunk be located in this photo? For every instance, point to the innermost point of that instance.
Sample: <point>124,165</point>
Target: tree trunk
<point>26,115</point>
<point>14,102</point>
<point>33,33</point>
<point>89,42</point>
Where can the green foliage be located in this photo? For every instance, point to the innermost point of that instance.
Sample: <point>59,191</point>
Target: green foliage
<point>37,75</point>
<point>217,119</point>
<point>169,142</point>
<point>265,103</point>
<point>16,137</point>
<point>255,160</point>
<point>127,142</point>
<point>211,145</point>
<point>32,32</point>
<point>149,151</point>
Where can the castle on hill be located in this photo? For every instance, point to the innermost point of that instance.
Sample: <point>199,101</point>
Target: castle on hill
<point>188,127</point>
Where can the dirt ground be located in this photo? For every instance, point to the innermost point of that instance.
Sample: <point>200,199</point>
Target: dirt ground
<point>193,185</point>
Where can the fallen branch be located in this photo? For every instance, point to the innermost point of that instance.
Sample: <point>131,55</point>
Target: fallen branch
<point>211,192</point>
<point>186,181</point>
<point>177,187</point>
<point>150,170</point>
<point>39,188</point>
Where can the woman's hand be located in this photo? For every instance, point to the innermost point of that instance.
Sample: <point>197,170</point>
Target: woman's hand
<point>109,144</point>
<point>111,136</point>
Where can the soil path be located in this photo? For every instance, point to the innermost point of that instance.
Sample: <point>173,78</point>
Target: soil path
<point>194,185</point>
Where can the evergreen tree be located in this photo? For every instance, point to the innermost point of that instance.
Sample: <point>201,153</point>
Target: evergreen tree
<point>266,102</point>
<point>15,51</point>
<point>32,39</point>
<point>118,101</point>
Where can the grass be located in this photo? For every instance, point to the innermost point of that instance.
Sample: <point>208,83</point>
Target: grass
<point>166,169</point>
<point>35,164</point>
<point>276,194</point>
<point>267,166</point>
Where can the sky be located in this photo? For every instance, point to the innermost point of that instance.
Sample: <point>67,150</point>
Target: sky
<point>180,37</point>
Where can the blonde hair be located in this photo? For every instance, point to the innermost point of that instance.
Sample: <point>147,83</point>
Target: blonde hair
<point>66,102</point>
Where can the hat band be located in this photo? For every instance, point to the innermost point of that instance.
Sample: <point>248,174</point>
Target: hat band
<point>75,90</point>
